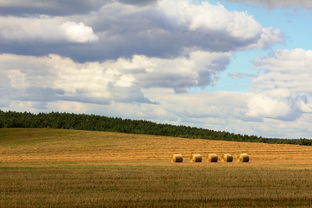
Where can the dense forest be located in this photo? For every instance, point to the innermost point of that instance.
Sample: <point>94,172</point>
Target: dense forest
<point>12,119</point>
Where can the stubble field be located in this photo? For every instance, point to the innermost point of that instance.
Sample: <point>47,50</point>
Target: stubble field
<point>70,168</point>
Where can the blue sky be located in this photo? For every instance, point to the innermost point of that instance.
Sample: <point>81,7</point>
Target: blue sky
<point>242,66</point>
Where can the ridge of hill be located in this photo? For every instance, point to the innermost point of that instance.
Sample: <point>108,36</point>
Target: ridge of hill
<point>22,146</point>
<point>12,119</point>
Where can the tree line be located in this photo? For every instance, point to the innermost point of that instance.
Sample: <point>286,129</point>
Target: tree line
<point>12,119</point>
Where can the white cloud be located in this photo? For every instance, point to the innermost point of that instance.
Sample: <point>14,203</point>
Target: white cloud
<point>286,69</point>
<point>284,88</point>
<point>78,32</point>
<point>163,29</point>
<point>46,29</point>
<point>208,17</point>
<point>17,79</point>
<point>264,106</point>
<point>120,80</point>
<point>268,36</point>
<point>216,20</point>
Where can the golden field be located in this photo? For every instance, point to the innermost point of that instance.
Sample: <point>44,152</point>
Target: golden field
<point>48,145</point>
<point>70,168</point>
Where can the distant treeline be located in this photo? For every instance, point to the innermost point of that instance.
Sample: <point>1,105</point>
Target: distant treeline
<point>13,119</point>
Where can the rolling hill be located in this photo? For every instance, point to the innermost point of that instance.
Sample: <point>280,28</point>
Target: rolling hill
<point>21,145</point>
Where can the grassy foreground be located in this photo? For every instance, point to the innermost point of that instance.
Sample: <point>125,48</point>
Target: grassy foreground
<point>121,186</point>
<point>62,168</point>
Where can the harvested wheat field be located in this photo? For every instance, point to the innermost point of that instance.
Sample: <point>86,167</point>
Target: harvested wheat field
<point>52,145</point>
<point>70,168</point>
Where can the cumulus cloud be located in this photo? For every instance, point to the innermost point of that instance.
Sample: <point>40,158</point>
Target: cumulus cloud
<point>203,17</point>
<point>276,3</point>
<point>198,69</point>
<point>46,29</point>
<point>283,89</point>
<point>286,69</point>
<point>184,24</point>
<point>201,104</point>
<point>60,78</point>
<point>268,36</point>
<point>123,30</point>
<point>266,105</point>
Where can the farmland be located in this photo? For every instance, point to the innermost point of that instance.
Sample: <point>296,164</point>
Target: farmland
<point>70,168</point>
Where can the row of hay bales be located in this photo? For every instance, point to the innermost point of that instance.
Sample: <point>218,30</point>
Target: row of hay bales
<point>244,157</point>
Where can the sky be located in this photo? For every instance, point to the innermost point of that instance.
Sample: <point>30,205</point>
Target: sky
<point>243,66</point>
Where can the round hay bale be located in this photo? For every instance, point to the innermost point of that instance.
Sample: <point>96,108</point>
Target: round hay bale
<point>227,158</point>
<point>177,158</point>
<point>196,158</point>
<point>244,157</point>
<point>213,158</point>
